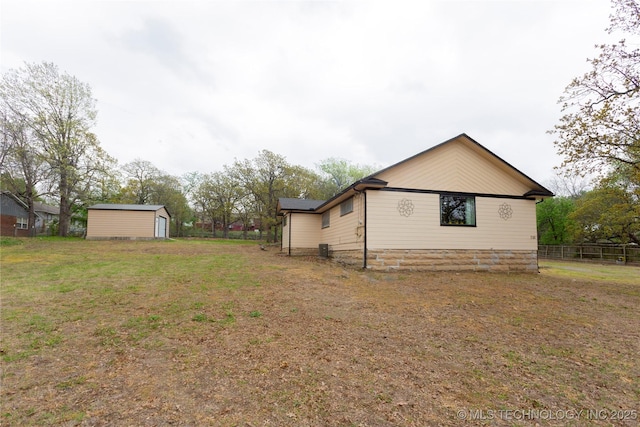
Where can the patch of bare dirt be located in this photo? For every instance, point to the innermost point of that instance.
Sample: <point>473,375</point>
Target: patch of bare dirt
<point>312,343</point>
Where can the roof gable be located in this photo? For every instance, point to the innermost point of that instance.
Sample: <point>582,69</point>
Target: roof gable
<point>11,205</point>
<point>460,165</point>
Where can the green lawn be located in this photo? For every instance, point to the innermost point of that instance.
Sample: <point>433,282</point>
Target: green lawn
<point>592,271</point>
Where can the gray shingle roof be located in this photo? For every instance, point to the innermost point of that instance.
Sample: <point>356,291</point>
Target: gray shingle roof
<point>289,204</point>
<point>41,207</point>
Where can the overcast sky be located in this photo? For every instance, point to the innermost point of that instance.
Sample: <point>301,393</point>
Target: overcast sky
<point>193,85</point>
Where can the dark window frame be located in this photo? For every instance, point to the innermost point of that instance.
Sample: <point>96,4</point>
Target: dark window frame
<point>453,210</point>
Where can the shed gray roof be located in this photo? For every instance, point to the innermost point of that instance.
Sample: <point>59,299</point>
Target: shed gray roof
<point>122,207</point>
<point>289,204</point>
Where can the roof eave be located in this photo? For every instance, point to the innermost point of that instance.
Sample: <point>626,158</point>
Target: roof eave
<point>366,183</point>
<point>539,193</point>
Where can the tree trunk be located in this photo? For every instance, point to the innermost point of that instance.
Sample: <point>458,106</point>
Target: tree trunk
<point>225,227</point>
<point>32,216</point>
<point>65,206</point>
<point>65,217</point>
<point>275,231</point>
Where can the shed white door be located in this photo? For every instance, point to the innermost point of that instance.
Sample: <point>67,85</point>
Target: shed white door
<point>162,227</point>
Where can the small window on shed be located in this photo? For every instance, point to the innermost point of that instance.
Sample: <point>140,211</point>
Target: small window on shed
<point>284,221</point>
<point>346,206</point>
<point>325,219</point>
<point>457,210</point>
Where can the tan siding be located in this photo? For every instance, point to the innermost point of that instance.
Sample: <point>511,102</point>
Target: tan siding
<point>458,166</point>
<point>388,229</point>
<point>305,230</point>
<point>125,224</point>
<point>517,232</point>
<point>345,232</point>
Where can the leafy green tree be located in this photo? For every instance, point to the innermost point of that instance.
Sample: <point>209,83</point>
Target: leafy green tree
<point>267,178</point>
<point>6,138</point>
<point>227,192</point>
<point>168,191</point>
<point>554,225</point>
<point>245,212</point>
<point>61,111</point>
<point>23,164</point>
<point>601,122</point>
<point>609,212</point>
<point>141,178</point>
<point>203,201</point>
<point>263,178</point>
<point>218,195</point>
<point>338,174</point>
<point>106,187</point>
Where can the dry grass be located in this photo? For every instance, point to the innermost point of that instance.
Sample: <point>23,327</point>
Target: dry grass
<point>204,333</point>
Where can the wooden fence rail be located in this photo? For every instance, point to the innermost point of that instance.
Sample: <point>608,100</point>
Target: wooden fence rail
<point>620,254</point>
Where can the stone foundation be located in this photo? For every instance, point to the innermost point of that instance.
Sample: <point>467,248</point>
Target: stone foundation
<point>349,258</point>
<point>434,259</point>
<point>453,260</point>
<point>301,251</point>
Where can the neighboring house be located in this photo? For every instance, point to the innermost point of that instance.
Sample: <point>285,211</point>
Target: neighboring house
<point>47,216</point>
<point>239,225</point>
<point>456,206</point>
<point>114,221</point>
<point>14,216</point>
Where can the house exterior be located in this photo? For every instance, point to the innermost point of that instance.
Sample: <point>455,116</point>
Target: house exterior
<point>129,222</point>
<point>46,217</point>
<point>456,206</point>
<point>14,216</point>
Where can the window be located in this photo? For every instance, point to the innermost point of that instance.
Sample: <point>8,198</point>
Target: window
<point>457,210</point>
<point>325,219</point>
<point>346,206</point>
<point>284,221</point>
<point>22,223</point>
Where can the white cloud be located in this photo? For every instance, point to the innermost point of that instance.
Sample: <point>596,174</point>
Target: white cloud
<point>193,85</point>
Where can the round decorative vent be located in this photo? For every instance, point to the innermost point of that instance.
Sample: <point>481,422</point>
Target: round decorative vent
<point>505,211</point>
<point>405,207</point>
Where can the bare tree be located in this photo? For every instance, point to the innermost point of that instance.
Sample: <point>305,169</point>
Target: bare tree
<point>569,185</point>
<point>601,123</point>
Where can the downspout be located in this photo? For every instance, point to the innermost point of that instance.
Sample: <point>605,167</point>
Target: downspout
<point>364,251</point>
<point>538,238</point>
<point>290,218</point>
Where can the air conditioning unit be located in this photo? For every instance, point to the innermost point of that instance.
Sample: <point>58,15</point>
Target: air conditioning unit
<point>323,250</point>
